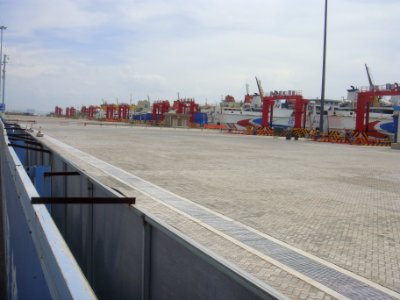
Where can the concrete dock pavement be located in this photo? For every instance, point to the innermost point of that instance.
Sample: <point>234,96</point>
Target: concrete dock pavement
<point>313,220</point>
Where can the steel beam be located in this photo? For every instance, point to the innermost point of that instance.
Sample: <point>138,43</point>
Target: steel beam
<point>82,200</point>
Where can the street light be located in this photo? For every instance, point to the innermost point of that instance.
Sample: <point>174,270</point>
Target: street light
<point>2,28</point>
<point>321,118</point>
<point>6,58</point>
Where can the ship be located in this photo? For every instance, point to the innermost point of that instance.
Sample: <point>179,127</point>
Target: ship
<point>249,113</point>
<point>240,115</point>
<point>380,122</point>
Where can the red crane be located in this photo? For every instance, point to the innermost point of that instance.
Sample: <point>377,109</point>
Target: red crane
<point>159,110</point>
<point>84,111</point>
<point>72,112</point>
<point>110,112</point>
<point>186,106</point>
<point>58,111</point>
<point>300,108</point>
<point>123,111</point>
<point>364,100</point>
<point>91,112</point>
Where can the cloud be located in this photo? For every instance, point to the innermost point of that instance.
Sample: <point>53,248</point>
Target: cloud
<point>30,17</point>
<point>79,52</point>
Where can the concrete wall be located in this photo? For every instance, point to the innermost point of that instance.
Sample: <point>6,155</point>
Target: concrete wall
<point>123,252</point>
<point>38,262</point>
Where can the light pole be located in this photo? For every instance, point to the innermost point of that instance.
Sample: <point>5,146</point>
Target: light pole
<point>2,28</point>
<point>321,117</point>
<point>6,57</point>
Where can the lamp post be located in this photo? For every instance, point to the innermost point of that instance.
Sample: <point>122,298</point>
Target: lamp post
<point>2,28</point>
<point>321,119</point>
<point>5,59</point>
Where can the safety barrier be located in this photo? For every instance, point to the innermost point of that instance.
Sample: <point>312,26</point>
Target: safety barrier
<point>300,132</point>
<point>213,126</point>
<point>351,137</point>
<point>251,130</point>
<point>265,131</point>
<point>122,252</point>
<point>358,138</point>
<point>39,264</point>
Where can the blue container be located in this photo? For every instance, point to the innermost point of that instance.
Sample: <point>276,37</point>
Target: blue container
<point>200,118</point>
<point>142,117</point>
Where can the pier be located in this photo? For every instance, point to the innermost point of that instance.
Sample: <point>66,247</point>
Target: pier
<point>292,218</point>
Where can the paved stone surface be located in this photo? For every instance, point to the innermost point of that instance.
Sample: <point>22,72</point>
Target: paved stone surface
<point>337,202</point>
<point>328,277</point>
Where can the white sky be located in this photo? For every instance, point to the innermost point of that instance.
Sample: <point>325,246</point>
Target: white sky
<point>78,52</point>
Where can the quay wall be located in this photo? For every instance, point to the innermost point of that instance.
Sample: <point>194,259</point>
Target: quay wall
<point>88,251</point>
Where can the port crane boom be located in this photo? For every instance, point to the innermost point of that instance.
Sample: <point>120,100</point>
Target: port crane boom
<point>260,89</point>
<point>371,83</point>
<point>375,100</point>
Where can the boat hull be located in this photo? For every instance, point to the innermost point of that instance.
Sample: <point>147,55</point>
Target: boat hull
<point>378,126</point>
<point>243,119</point>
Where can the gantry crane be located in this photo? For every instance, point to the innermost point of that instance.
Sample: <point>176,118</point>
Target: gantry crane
<point>364,100</point>
<point>300,107</point>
